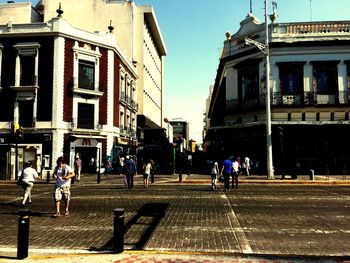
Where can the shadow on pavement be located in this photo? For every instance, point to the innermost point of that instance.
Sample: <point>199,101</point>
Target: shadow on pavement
<point>154,212</point>
<point>145,221</point>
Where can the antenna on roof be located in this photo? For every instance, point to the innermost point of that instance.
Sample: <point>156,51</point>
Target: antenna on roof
<point>251,7</point>
<point>310,11</point>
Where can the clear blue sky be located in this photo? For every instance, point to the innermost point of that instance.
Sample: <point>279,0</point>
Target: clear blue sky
<point>194,31</point>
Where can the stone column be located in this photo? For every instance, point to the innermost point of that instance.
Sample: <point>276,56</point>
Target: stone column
<point>18,70</point>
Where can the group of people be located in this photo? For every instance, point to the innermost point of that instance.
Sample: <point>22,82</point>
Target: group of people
<point>63,174</point>
<point>129,170</point>
<point>231,168</point>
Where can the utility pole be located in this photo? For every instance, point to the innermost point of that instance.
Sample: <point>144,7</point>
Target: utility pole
<point>264,48</point>
<point>270,172</point>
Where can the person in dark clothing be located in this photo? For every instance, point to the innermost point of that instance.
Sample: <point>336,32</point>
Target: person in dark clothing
<point>226,171</point>
<point>130,171</point>
<point>180,164</point>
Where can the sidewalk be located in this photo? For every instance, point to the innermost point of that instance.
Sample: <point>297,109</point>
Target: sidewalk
<point>262,179</point>
<point>159,257</point>
<point>205,179</point>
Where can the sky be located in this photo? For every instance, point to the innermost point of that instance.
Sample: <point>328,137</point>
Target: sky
<point>194,33</point>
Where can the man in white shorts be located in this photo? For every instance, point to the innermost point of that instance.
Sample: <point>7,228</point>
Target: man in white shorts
<point>63,174</point>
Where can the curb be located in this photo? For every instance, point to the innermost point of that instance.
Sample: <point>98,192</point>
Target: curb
<point>273,182</point>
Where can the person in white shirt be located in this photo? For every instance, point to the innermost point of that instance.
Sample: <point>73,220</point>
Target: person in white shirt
<point>147,167</point>
<point>63,174</point>
<point>236,170</point>
<point>29,174</point>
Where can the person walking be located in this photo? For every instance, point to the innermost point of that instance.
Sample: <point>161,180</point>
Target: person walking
<point>214,171</point>
<point>77,168</point>
<point>236,170</point>
<point>147,167</point>
<point>246,165</point>
<point>63,174</point>
<point>130,171</point>
<point>226,172</point>
<point>153,170</point>
<point>29,174</point>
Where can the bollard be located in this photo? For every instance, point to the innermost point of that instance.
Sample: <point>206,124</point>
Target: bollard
<point>98,176</point>
<point>312,175</point>
<point>48,177</point>
<point>23,234</point>
<point>118,234</point>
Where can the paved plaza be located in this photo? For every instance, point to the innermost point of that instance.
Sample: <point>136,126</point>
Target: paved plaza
<point>258,221</point>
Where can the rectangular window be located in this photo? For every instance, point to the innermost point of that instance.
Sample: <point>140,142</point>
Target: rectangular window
<point>86,75</point>
<point>26,113</point>
<point>291,79</point>
<point>86,113</point>
<point>27,71</point>
<point>326,78</point>
<point>248,81</point>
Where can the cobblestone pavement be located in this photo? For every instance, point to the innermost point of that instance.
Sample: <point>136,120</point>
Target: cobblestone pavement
<point>270,219</point>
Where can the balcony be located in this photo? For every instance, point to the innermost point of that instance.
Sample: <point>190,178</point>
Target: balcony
<point>279,99</point>
<point>27,88</point>
<point>128,101</point>
<point>91,89</point>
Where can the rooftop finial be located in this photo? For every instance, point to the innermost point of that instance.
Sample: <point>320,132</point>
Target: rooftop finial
<point>251,7</point>
<point>110,28</point>
<point>59,11</point>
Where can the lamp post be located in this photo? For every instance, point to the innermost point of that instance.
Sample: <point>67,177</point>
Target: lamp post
<point>270,172</point>
<point>264,48</point>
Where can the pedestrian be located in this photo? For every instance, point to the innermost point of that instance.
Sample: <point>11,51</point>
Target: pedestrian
<point>214,171</point>
<point>63,174</point>
<point>153,170</point>
<point>147,167</point>
<point>92,167</point>
<point>246,165</point>
<point>129,171</point>
<point>29,174</point>
<point>236,170</point>
<point>189,164</point>
<point>180,165</point>
<point>107,166</point>
<point>226,172</point>
<point>77,168</point>
<point>121,164</point>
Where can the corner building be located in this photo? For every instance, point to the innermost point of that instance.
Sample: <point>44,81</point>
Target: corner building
<point>64,85</point>
<point>139,36</point>
<point>309,83</point>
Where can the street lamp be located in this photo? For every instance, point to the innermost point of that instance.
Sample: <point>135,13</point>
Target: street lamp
<point>264,48</point>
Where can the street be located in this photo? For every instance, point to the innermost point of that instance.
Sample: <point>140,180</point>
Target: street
<point>268,219</point>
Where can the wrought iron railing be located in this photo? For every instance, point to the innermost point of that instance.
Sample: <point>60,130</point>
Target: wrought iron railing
<point>299,99</point>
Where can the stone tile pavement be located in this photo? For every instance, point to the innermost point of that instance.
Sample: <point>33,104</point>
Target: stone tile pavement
<point>255,222</point>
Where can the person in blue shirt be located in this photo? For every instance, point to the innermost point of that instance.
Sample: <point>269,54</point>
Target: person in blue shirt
<point>226,172</point>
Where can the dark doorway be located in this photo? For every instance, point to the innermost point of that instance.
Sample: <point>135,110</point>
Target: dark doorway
<point>85,154</point>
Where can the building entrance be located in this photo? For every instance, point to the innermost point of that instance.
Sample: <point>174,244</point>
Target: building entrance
<point>87,154</point>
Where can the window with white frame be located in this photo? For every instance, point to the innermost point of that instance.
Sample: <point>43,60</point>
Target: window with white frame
<point>121,121</point>
<point>27,64</point>
<point>86,79</point>
<point>122,84</point>
<point>86,113</point>
<point>86,69</point>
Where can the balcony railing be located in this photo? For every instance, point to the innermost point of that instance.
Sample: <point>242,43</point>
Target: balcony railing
<point>317,27</point>
<point>300,99</point>
<point>93,89</point>
<point>128,101</point>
